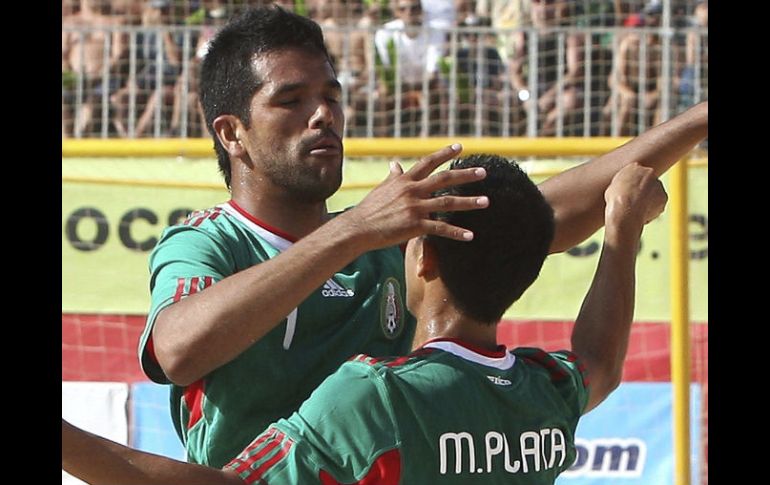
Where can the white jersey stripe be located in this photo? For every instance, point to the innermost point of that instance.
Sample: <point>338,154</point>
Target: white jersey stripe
<point>502,363</point>
<point>276,241</point>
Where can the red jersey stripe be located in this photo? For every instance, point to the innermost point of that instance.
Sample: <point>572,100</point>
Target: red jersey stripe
<point>179,289</point>
<point>403,360</point>
<point>272,461</point>
<point>200,219</point>
<point>194,285</point>
<point>239,462</point>
<point>275,440</point>
<point>193,398</point>
<point>386,470</point>
<point>150,349</point>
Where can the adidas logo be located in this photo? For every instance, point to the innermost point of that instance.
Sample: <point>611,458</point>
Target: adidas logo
<point>499,381</point>
<point>332,288</point>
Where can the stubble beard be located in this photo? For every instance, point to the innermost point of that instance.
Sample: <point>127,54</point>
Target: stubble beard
<point>305,184</point>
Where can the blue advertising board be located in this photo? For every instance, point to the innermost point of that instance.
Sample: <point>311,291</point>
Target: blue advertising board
<point>628,439</point>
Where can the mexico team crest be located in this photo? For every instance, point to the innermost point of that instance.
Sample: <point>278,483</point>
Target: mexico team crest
<point>391,309</point>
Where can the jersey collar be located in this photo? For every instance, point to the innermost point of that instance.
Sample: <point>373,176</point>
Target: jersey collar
<point>277,238</point>
<point>499,359</point>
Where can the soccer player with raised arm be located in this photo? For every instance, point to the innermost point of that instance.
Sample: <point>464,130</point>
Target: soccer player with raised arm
<point>259,299</point>
<point>459,408</point>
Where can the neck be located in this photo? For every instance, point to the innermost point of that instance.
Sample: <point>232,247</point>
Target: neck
<point>438,317</point>
<point>281,211</point>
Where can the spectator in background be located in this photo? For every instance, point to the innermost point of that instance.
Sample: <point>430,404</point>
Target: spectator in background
<point>439,14</point>
<point>212,15</point>
<point>405,46</point>
<point>158,56</point>
<point>351,54</point>
<point>590,14</point>
<point>559,81</point>
<point>130,11</point>
<point>505,14</point>
<point>695,71</point>
<point>83,60</point>
<point>479,70</point>
<point>635,80</point>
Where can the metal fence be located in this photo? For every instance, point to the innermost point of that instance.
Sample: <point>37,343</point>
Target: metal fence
<point>136,82</point>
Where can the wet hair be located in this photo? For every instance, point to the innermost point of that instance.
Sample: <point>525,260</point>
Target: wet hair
<point>228,80</point>
<point>511,239</point>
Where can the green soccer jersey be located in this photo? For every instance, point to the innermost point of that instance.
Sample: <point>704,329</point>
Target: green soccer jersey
<point>359,309</point>
<point>447,413</point>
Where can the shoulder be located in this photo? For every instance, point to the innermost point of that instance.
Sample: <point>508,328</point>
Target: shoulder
<point>212,222</point>
<point>396,24</point>
<point>388,30</point>
<point>213,216</point>
<point>557,364</point>
<point>398,364</point>
<point>565,372</point>
<point>203,231</point>
<point>357,388</point>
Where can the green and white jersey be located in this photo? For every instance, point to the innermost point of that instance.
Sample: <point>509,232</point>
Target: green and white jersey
<point>447,413</point>
<point>359,309</point>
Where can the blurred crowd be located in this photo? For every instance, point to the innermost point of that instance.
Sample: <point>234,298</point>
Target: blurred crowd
<point>408,67</point>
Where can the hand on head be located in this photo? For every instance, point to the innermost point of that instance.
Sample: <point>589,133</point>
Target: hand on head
<point>399,208</point>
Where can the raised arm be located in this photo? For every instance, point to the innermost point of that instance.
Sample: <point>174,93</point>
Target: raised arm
<point>601,332</point>
<point>98,461</point>
<point>577,195</point>
<point>207,329</point>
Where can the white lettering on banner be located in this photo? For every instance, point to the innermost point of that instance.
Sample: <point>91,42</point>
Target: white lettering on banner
<point>537,451</point>
<point>609,457</point>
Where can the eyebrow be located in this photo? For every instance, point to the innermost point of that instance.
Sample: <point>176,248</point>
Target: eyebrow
<point>287,88</point>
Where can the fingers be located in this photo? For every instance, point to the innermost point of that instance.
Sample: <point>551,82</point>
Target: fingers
<point>427,164</point>
<point>451,203</point>
<point>448,178</point>
<point>442,229</point>
<point>659,199</point>
<point>454,204</point>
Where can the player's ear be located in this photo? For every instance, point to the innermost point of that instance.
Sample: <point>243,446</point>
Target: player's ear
<point>228,129</point>
<point>427,259</point>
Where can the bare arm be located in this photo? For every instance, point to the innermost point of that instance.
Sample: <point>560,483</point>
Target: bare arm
<point>210,328</point>
<point>98,460</point>
<point>601,332</point>
<point>517,61</point>
<point>629,43</point>
<point>574,55</point>
<point>577,195</point>
<point>575,59</point>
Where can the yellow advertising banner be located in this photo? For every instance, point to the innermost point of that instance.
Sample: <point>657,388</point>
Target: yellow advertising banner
<point>113,211</point>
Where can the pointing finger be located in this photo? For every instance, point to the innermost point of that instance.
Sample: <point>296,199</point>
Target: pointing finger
<point>427,164</point>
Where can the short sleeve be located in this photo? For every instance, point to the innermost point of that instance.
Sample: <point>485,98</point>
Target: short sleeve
<point>344,432</point>
<point>185,261</point>
<point>567,373</point>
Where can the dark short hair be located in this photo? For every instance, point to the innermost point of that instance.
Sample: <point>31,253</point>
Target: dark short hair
<point>511,239</point>
<point>228,80</point>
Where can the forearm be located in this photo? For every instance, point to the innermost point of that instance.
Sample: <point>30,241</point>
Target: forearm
<point>97,460</point>
<point>210,328</point>
<point>602,328</point>
<point>576,195</point>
